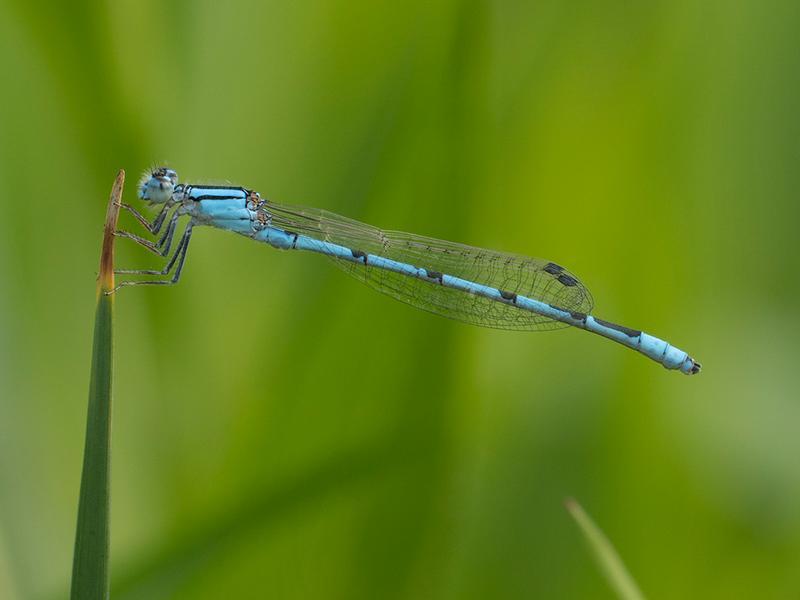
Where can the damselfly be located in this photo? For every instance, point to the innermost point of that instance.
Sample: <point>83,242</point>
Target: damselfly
<point>482,287</point>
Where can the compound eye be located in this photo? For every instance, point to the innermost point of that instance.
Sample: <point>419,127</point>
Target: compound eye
<point>165,173</point>
<point>158,187</point>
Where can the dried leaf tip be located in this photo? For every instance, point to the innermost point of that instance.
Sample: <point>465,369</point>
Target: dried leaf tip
<point>105,279</point>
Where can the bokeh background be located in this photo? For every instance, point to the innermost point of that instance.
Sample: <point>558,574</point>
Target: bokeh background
<point>281,431</point>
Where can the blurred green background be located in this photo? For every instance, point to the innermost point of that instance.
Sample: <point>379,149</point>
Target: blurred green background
<point>282,431</point>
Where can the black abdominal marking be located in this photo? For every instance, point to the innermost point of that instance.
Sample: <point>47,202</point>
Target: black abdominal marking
<point>626,330</point>
<point>508,295</point>
<point>434,275</point>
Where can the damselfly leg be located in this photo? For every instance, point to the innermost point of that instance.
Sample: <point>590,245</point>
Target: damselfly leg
<point>153,227</point>
<point>161,248</point>
<point>177,258</point>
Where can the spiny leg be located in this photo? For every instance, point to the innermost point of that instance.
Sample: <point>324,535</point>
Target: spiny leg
<point>153,227</point>
<point>141,241</point>
<point>168,267</point>
<point>179,256</point>
<point>156,248</point>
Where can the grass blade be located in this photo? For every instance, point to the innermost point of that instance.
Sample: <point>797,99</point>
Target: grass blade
<point>604,553</point>
<point>90,561</point>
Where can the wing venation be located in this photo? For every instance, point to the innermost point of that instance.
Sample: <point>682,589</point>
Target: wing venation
<point>521,275</point>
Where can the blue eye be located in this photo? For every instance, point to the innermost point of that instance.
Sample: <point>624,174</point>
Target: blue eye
<point>157,185</point>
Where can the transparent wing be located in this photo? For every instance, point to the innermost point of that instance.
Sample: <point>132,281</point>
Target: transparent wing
<point>531,277</point>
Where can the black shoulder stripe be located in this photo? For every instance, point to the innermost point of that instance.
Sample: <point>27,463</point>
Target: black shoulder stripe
<point>218,187</point>
<point>212,197</point>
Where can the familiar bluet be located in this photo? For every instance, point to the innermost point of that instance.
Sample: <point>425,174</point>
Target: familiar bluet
<point>482,287</point>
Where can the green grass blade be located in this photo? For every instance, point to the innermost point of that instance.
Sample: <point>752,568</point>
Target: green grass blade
<point>604,553</point>
<point>90,561</point>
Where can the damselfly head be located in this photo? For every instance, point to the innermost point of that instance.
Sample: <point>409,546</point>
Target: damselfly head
<point>157,185</point>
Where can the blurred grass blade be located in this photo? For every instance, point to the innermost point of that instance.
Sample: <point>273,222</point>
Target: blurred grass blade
<point>90,561</point>
<point>606,556</point>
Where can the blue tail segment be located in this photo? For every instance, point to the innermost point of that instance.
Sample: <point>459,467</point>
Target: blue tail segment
<point>655,348</point>
<point>652,347</point>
